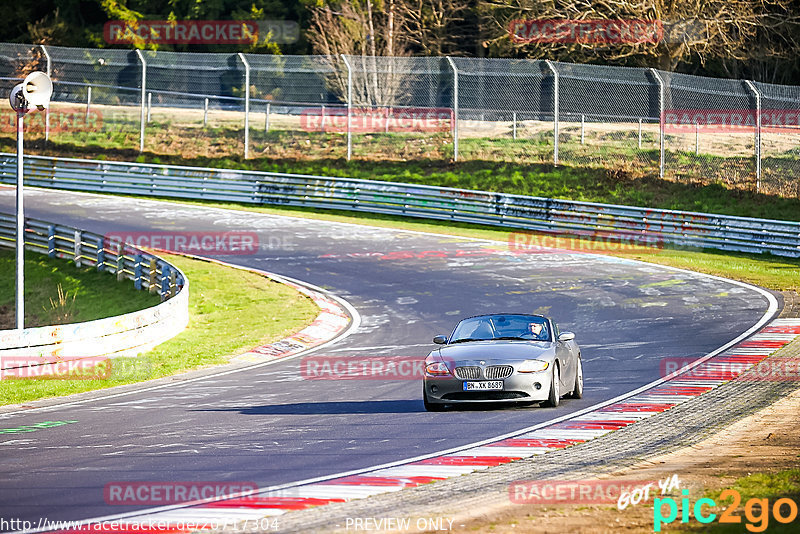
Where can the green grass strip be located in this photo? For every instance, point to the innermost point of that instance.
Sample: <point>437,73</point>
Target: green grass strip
<point>230,311</point>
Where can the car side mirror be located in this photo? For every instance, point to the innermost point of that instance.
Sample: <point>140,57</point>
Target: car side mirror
<point>440,340</point>
<point>566,336</point>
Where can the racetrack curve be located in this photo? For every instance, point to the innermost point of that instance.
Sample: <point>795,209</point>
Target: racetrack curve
<point>270,426</point>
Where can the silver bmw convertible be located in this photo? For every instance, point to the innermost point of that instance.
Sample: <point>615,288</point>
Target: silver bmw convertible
<point>503,358</point>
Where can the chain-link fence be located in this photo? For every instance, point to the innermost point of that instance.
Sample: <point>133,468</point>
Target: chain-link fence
<point>643,121</point>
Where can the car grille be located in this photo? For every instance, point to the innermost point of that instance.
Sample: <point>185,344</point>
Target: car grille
<point>485,395</point>
<point>468,373</point>
<point>493,372</point>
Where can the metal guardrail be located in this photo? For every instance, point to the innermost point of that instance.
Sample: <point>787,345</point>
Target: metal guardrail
<point>121,335</point>
<point>637,226</point>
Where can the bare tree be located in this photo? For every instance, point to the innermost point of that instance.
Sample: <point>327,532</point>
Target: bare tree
<point>694,29</point>
<point>434,26</point>
<point>365,30</point>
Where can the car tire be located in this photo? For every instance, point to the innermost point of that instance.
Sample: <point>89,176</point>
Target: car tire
<point>555,390</point>
<point>430,406</point>
<point>577,389</point>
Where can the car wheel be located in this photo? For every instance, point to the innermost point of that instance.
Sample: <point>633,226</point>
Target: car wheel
<point>430,406</point>
<point>577,390</point>
<point>555,389</point>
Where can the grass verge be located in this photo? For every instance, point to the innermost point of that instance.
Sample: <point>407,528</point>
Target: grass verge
<point>230,311</point>
<point>58,292</point>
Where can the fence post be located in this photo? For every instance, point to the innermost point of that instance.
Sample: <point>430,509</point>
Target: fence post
<point>757,139</point>
<point>583,117</point>
<point>47,109</point>
<point>555,110</point>
<point>101,254</point>
<point>51,240</point>
<point>246,105</point>
<point>696,138</point>
<point>322,118</point>
<point>149,105</point>
<point>640,134</point>
<point>455,107</point>
<point>144,91</point>
<point>266,119</point>
<point>88,101</point>
<point>514,125</point>
<point>657,76</point>
<point>349,107</point>
<point>76,248</point>
<point>205,112</point>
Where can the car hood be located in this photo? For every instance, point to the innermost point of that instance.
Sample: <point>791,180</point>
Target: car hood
<point>503,350</point>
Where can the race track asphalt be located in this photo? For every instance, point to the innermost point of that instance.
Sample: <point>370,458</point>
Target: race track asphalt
<point>270,425</point>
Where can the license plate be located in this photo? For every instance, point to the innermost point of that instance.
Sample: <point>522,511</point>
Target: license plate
<point>483,386</point>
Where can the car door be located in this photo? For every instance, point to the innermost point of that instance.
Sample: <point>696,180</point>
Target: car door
<point>567,357</point>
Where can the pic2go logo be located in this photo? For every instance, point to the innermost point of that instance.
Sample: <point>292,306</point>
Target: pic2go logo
<point>756,511</point>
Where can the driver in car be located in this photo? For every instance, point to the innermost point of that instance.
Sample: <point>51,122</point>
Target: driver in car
<point>535,331</point>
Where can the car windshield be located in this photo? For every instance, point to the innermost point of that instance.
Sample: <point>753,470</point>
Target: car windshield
<point>486,327</point>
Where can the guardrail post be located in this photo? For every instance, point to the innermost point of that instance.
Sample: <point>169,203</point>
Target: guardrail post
<point>555,110</point>
<point>455,107</point>
<point>246,105</point>
<point>173,283</point>
<point>661,139</point>
<point>51,240</point>
<point>165,274</point>
<point>101,254</point>
<point>349,107</point>
<point>137,271</point>
<point>120,263</point>
<point>757,140</point>
<point>152,276</point>
<point>144,91</point>
<point>47,109</point>
<point>76,249</point>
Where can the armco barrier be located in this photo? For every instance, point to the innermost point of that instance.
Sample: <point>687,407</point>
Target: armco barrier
<point>640,225</point>
<point>123,335</point>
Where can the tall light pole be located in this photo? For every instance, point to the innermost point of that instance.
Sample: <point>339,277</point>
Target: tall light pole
<point>34,91</point>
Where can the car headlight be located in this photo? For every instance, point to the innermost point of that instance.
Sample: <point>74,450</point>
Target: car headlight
<point>437,369</point>
<point>533,366</point>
